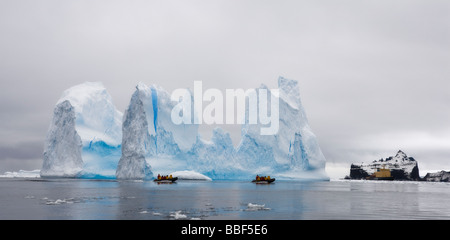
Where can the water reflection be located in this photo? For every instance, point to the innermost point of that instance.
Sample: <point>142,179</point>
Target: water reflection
<point>109,199</point>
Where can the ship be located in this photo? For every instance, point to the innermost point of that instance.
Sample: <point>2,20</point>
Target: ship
<point>165,179</point>
<point>264,179</point>
<point>381,174</point>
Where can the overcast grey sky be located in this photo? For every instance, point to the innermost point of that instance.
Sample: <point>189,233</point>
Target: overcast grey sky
<point>374,75</point>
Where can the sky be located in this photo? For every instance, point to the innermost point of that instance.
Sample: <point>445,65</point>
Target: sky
<point>374,76</point>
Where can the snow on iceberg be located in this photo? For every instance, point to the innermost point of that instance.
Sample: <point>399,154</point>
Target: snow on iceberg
<point>97,119</point>
<point>98,125</point>
<point>190,175</point>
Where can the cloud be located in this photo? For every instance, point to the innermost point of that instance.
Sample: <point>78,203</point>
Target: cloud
<point>23,155</point>
<point>25,150</point>
<point>367,70</point>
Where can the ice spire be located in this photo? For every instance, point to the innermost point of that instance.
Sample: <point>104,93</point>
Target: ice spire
<point>132,164</point>
<point>62,153</point>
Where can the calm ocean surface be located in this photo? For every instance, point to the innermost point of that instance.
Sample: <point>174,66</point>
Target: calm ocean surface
<point>92,199</point>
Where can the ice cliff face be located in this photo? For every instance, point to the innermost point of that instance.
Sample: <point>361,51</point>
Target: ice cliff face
<point>291,153</point>
<point>98,124</point>
<point>167,138</point>
<point>215,158</point>
<point>62,153</point>
<point>161,142</point>
<point>132,164</point>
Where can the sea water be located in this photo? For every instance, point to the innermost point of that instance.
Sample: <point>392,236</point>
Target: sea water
<point>109,199</point>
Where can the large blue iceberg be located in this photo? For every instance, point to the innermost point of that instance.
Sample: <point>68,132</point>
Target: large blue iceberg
<point>147,142</point>
<point>97,123</point>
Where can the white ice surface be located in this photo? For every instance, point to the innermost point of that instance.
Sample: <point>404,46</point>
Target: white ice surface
<point>22,174</point>
<point>190,175</point>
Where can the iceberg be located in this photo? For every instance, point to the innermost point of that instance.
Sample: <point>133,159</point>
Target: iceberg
<point>97,123</point>
<point>132,164</point>
<point>292,153</point>
<point>150,138</point>
<point>90,138</point>
<point>62,153</point>
<point>216,158</point>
